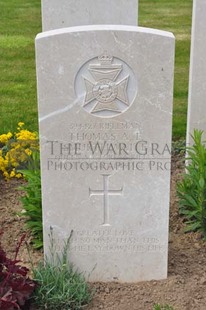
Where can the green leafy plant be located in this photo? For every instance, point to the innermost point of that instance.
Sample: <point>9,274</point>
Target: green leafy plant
<point>31,202</point>
<point>178,147</point>
<point>60,286</point>
<point>15,285</point>
<point>165,307</point>
<point>192,189</point>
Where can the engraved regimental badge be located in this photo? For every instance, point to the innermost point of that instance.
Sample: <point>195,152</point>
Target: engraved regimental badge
<point>109,86</point>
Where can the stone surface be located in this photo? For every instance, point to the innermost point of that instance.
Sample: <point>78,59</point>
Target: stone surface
<point>105,112</point>
<point>67,13</point>
<point>197,84</point>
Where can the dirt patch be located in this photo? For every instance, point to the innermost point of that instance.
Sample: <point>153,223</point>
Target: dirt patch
<point>12,224</point>
<point>185,287</point>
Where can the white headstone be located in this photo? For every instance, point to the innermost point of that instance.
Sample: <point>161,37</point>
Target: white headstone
<point>67,13</point>
<point>105,112</point>
<point>197,85</point>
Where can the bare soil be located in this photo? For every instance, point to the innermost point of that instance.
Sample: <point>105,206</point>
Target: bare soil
<point>185,288</point>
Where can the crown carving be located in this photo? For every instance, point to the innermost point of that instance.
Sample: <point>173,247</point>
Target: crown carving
<point>105,59</point>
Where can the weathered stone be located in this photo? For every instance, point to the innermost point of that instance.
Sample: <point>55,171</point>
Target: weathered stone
<point>196,118</point>
<point>68,13</point>
<point>105,111</point>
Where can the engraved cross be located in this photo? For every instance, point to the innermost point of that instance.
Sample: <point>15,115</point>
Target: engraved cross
<point>106,192</point>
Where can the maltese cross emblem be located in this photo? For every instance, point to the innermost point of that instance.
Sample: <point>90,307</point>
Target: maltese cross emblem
<point>108,92</point>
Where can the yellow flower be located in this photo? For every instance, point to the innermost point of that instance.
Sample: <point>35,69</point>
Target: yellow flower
<point>28,152</point>
<point>20,124</point>
<point>9,135</point>
<point>18,175</point>
<point>17,146</point>
<point>12,174</point>
<point>22,145</point>
<point>25,134</point>
<point>6,175</point>
<point>5,137</point>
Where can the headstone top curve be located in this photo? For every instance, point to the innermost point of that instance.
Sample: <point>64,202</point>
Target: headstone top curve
<point>103,28</point>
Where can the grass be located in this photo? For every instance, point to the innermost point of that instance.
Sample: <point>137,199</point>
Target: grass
<point>60,285</point>
<point>20,21</point>
<point>174,16</point>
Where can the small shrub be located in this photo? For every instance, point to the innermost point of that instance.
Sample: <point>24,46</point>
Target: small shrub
<point>60,286</point>
<point>32,203</point>
<point>192,189</point>
<point>15,286</point>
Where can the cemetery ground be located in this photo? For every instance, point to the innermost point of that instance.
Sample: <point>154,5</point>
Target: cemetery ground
<point>19,23</point>
<point>185,287</point>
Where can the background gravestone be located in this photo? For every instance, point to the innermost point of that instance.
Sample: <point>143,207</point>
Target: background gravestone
<point>105,113</point>
<point>68,13</point>
<point>197,85</point>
